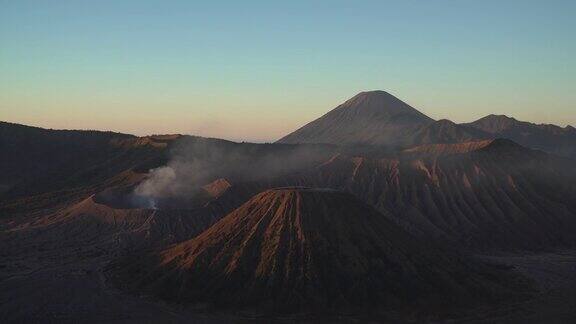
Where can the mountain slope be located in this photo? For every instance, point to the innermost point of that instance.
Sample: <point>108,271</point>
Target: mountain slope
<point>493,194</point>
<point>108,220</point>
<point>295,249</point>
<point>36,160</point>
<point>374,117</point>
<point>546,137</point>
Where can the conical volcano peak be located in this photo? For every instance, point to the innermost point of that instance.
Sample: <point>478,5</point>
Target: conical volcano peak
<point>380,96</point>
<point>369,104</point>
<point>290,202</point>
<point>374,94</point>
<point>371,117</point>
<point>447,122</point>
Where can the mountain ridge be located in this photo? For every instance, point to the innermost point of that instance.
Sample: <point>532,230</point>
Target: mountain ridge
<point>546,137</point>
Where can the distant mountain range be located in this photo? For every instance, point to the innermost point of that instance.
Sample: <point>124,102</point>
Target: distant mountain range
<point>546,137</point>
<point>379,118</point>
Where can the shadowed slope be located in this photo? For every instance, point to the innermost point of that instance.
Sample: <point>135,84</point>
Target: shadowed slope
<point>37,161</point>
<point>373,117</point>
<point>293,249</point>
<point>547,137</point>
<point>491,194</point>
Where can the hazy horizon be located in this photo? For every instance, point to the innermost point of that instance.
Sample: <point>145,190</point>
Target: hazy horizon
<point>257,71</point>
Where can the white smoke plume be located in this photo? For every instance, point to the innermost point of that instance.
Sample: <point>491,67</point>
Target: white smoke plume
<point>160,183</point>
<point>195,162</point>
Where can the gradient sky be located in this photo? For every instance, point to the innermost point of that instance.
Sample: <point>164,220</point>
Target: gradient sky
<point>256,70</point>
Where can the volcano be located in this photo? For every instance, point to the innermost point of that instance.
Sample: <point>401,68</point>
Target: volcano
<point>372,117</point>
<point>304,249</point>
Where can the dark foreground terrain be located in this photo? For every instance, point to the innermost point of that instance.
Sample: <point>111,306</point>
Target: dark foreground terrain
<point>45,282</point>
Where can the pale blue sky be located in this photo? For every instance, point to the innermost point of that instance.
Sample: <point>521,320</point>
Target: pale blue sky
<point>255,70</point>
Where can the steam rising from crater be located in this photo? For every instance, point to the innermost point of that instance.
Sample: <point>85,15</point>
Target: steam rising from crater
<point>159,183</point>
<point>195,162</point>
